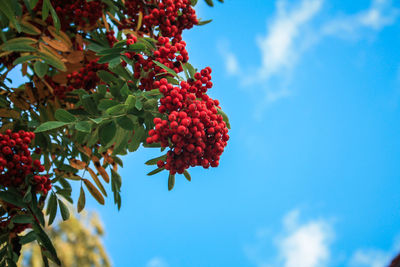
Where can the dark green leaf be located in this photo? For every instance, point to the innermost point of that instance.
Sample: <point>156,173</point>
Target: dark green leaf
<point>107,103</point>
<point>8,10</point>
<point>107,132</point>
<point>56,20</point>
<point>117,109</point>
<point>106,76</point>
<point>225,117</point>
<point>45,9</point>
<point>64,210</point>
<point>29,237</point>
<point>204,22</point>
<point>155,160</point>
<point>45,241</point>
<point>22,219</point>
<point>83,126</point>
<point>24,59</point>
<point>171,181</point>
<point>170,71</point>
<point>155,171</point>
<point>64,116</point>
<point>12,199</point>
<point>209,2</point>
<point>40,68</point>
<point>187,175</point>
<point>52,208</point>
<point>126,123</point>
<point>50,125</point>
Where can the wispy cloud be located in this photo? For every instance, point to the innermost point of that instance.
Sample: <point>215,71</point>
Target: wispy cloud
<point>374,257</point>
<point>380,14</point>
<point>291,32</point>
<point>278,49</point>
<point>157,262</point>
<point>231,62</point>
<point>300,245</point>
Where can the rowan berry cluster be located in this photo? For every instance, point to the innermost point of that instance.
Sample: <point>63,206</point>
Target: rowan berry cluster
<point>86,78</point>
<point>170,16</point>
<point>17,227</point>
<point>79,12</point>
<point>167,53</point>
<point>194,131</point>
<point>17,168</point>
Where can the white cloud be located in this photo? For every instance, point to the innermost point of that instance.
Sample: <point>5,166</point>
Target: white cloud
<point>280,47</point>
<point>231,62</point>
<point>305,245</point>
<point>157,262</point>
<point>374,257</point>
<point>381,13</point>
<point>300,245</point>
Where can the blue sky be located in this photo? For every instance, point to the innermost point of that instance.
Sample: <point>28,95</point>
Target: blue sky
<point>311,175</point>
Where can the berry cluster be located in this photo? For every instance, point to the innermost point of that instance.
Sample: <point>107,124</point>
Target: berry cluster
<point>17,227</point>
<point>80,12</point>
<point>86,78</point>
<point>111,38</point>
<point>194,131</point>
<point>170,16</point>
<point>172,55</point>
<point>17,169</point>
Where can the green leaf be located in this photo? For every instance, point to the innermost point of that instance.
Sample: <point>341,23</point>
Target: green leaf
<point>40,68</point>
<point>170,71</point>
<point>64,116</point>
<point>107,132</point>
<point>193,2</point>
<point>12,199</point>
<point>130,101</point>
<point>225,117</point>
<point>83,126</point>
<point>190,69</point>
<point>106,76</point>
<point>155,171</point>
<point>97,120</point>
<point>117,109</point>
<point>19,44</point>
<point>45,9</point>
<point>137,139</point>
<point>8,11</point>
<point>155,160</point>
<point>107,103</point>
<point>52,208</point>
<point>187,175</point>
<point>89,104</point>
<point>116,182</point>
<point>137,47</point>
<point>64,210</point>
<point>29,237</point>
<point>45,241</point>
<point>108,58</point>
<point>24,59</point>
<point>171,181</point>
<point>81,200</point>
<point>53,61</point>
<point>56,20</point>
<point>50,125</point>
<point>204,22</point>
<point>209,2</point>
<point>125,123</point>
<point>22,219</point>
<point>138,104</point>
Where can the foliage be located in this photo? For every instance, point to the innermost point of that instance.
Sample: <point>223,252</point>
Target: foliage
<point>104,78</point>
<point>79,239</point>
